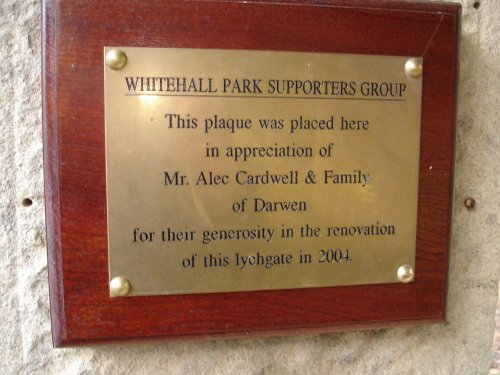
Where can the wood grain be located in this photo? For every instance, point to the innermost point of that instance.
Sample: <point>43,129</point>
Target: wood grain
<point>74,34</point>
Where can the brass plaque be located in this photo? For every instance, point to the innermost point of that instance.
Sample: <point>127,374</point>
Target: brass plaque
<point>253,170</point>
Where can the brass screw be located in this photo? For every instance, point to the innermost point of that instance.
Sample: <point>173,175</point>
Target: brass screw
<point>414,68</point>
<point>405,273</point>
<point>116,59</point>
<point>469,202</point>
<point>119,287</point>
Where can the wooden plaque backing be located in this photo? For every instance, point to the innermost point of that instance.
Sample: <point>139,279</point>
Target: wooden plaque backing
<point>74,35</point>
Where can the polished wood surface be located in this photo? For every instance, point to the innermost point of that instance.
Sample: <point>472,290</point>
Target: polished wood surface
<point>74,34</point>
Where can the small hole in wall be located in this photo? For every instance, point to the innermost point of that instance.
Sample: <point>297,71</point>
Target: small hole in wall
<point>476,5</point>
<point>27,202</point>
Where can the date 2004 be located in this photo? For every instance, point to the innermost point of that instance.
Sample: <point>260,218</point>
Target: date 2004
<point>334,256</point>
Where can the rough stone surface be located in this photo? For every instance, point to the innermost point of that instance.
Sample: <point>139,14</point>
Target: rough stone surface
<point>495,357</point>
<point>463,346</point>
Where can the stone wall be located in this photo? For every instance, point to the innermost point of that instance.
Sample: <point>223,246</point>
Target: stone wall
<point>461,346</point>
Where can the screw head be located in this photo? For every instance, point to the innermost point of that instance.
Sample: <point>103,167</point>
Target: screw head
<point>414,68</point>
<point>116,59</point>
<point>469,202</point>
<point>405,273</point>
<point>119,287</point>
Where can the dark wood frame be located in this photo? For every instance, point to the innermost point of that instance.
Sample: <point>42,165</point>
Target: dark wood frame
<point>74,34</point>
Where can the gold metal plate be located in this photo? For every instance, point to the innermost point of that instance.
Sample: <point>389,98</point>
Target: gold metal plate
<point>252,170</point>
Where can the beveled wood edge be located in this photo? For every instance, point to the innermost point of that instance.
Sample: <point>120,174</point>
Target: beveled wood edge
<point>449,224</point>
<point>427,6</point>
<point>255,333</point>
<point>51,172</point>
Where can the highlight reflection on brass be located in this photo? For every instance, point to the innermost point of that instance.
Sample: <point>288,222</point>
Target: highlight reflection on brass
<point>254,170</point>
<point>116,59</point>
<point>405,273</point>
<point>119,287</point>
<point>414,68</point>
